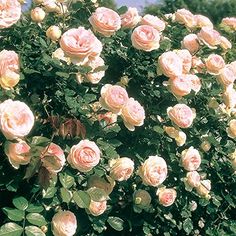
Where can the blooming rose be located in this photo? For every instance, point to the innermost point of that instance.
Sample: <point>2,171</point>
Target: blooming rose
<point>191,159</point>
<point>229,22</point>
<point>154,21</point>
<point>178,135</point>
<point>229,97</point>
<point>60,55</point>
<point>186,58</point>
<point>131,18</point>
<point>197,65</point>
<point>64,223</point>
<point>53,158</point>
<point>185,17</point>
<point>231,130</point>
<point>225,43</point>
<point>84,156</point>
<point>113,97</point>
<point>121,168</point>
<point>109,117</point>
<point>233,67</point>
<point>166,196</point>
<point>145,37</point>
<point>180,85</point>
<point>190,42</point>
<point>9,69</point>
<point>181,115</point>
<point>170,64</point>
<point>195,82</point>
<point>214,63</point>
<point>53,32</point>
<point>10,13</point>
<point>142,199</point>
<point>153,171</point>
<point>210,37</point>
<point>204,188</point>
<point>17,153</point>
<point>97,208</point>
<point>105,21</point>
<point>16,119</point>
<point>202,21</point>
<point>133,114</point>
<point>226,76</point>
<point>50,5</point>
<point>80,44</point>
<point>193,179</point>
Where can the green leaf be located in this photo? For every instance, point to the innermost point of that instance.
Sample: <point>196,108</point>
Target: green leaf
<point>34,231</point>
<point>158,129</point>
<point>188,226</point>
<point>50,192</point>
<point>40,141</point>
<point>33,167</point>
<point>35,208</point>
<point>11,229</point>
<point>20,203</point>
<point>66,180</point>
<point>62,74</point>
<point>82,199</point>
<point>65,195</point>
<point>116,223</point>
<point>122,10</point>
<point>97,194</point>
<point>14,214</point>
<point>36,219</point>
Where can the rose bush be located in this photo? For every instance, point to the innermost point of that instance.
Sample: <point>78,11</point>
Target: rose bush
<point>114,122</point>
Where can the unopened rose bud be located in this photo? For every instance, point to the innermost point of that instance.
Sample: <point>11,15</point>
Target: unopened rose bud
<point>213,103</point>
<point>204,189</point>
<point>44,228</point>
<point>38,14</point>
<point>205,146</point>
<point>53,32</point>
<point>142,199</point>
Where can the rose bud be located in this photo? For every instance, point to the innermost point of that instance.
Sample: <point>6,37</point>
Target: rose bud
<point>205,146</point>
<point>130,18</point>
<point>231,130</point>
<point>178,135</point>
<point>53,32</point>
<point>97,208</point>
<point>142,199</point>
<point>166,196</point>
<point>37,14</point>
<point>225,43</point>
<point>190,42</point>
<point>191,159</point>
<point>204,188</point>
<point>109,118</point>
<point>193,179</point>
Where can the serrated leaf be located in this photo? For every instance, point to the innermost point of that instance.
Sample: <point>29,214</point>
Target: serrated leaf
<point>116,223</point>
<point>20,203</point>
<point>14,214</point>
<point>40,141</point>
<point>11,229</point>
<point>36,219</point>
<point>35,208</point>
<point>65,195</point>
<point>66,180</point>
<point>33,231</point>
<point>82,199</point>
<point>97,194</point>
<point>188,226</point>
<point>50,192</point>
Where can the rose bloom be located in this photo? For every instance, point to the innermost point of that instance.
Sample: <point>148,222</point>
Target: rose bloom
<point>37,14</point>
<point>185,17</point>
<point>181,115</point>
<point>146,38</point>
<point>229,97</point>
<point>202,21</point>
<point>84,156</point>
<point>193,179</point>
<point>16,119</point>
<point>131,18</point>
<point>64,223</point>
<point>9,69</point>
<point>105,21</point>
<point>214,63</point>
<point>231,130</point>
<point>195,82</point>
<point>17,153</point>
<point>170,64</point>
<point>53,158</point>
<point>50,5</point>
<point>53,32</point>
<point>154,21</point>
<point>233,67</point>
<point>113,97</point>
<point>186,58</point>
<point>153,171</point>
<point>191,159</point>
<point>230,22</point>
<point>97,208</point>
<point>225,43</point>
<point>166,196</point>
<point>180,86</point>
<point>142,199</point>
<point>121,168</point>
<point>60,55</point>
<point>197,65</point>
<point>109,117</point>
<point>80,44</point>
<point>210,37</point>
<point>10,13</point>
<point>178,135</point>
<point>133,114</point>
<point>204,188</point>
<point>226,76</point>
<point>190,42</point>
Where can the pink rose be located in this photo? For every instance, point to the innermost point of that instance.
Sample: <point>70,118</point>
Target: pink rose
<point>191,159</point>
<point>153,171</point>
<point>18,153</point>
<point>109,117</point>
<point>229,22</point>
<point>80,44</point>
<point>193,179</point>
<point>197,64</point>
<point>113,97</point>
<point>84,156</point>
<point>210,37</point>
<point>233,67</point>
<point>9,69</point>
<point>121,168</point>
<point>153,21</point>
<point>202,21</point>
<point>97,208</point>
<point>16,119</point>
<point>229,97</point>
<point>214,63</point>
<point>231,130</point>
<point>181,115</point>
<point>146,38</point>
<point>195,82</point>
<point>166,196</point>
<point>131,18</point>
<point>142,199</point>
<point>37,14</point>
<point>180,86</point>
<point>10,13</point>
<point>185,17</point>
<point>204,188</point>
<point>225,43</point>
<point>226,76</point>
<point>171,65</point>
<point>186,58</point>
<point>50,5</point>
<point>105,21</point>
<point>190,42</point>
<point>178,135</point>
<point>53,158</point>
<point>64,223</point>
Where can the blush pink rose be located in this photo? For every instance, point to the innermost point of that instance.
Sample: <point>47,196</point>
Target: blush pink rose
<point>181,115</point>
<point>105,21</point>
<point>97,208</point>
<point>153,171</point>
<point>185,17</point>
<point>10,13</point>
<point>16,119</point>
<point>180,86</point>
<point>190,42</point>
<point>229,22</point>
<point>204,188</point>
<point>18,153</point>
<point>226,76</point>
<point>186,58</point>
<point>202,21</point>
<point>121,168</point>
<point>190,159</point>
<point>109,117</point>
<point>231,130</point>
<point>214,63</point>
<point>193,179</point>
<point>64,223</point>
<point>197,65</point>
<point>153,21</point>
<point>53,158</point>
<point>171,65</point>
<point>113,97</point>
<point>80,44</point>
<point>233,67</point>
<point>84,156</point>
<point>229,97</point>
<point>225,43</point>
<point>131,18</point>
<point>146,38</point>
<point>166,196</point>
